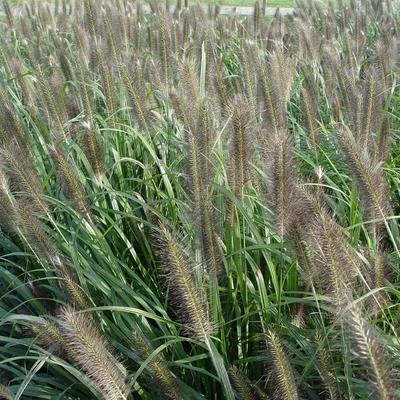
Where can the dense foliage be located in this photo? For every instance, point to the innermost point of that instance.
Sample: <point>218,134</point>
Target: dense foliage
<point>199,206</point>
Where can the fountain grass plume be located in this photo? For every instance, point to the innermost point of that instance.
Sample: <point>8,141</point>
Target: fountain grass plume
<point>373,354</point>
<point>325,368</point>
<point>371,107</point>
<point>241,146</point>
<point>184,293</point>
<point>337,264</point>
<point>34,230</point>
<point>277,155</point>
<point>70,183</point>
<point>7,206</point>
<point>5,393</point>
<point>47,333</point>
<point>91,352</point>
<point>157,367</point>
<point>275,75</point>
<point>23,177</point>
<point>370,178</point>
<point>310,106</point>
<point>108,85</point>
<point>70,284</point>
<point>136,93</point>
<point>281,368</point>
<point>92,148</point>
<point>244,390</point>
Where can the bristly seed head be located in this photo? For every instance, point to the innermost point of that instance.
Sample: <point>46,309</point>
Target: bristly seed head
<point>185,296</point>
<point>92,353</point>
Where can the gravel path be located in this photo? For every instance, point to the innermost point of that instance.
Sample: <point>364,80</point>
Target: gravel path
<point>224,10</point>
<point>269,11</point>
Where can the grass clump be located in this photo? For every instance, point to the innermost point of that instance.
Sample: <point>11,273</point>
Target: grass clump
<point>199,206</point>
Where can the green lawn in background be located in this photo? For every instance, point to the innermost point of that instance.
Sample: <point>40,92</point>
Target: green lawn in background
<point>270,3</point>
